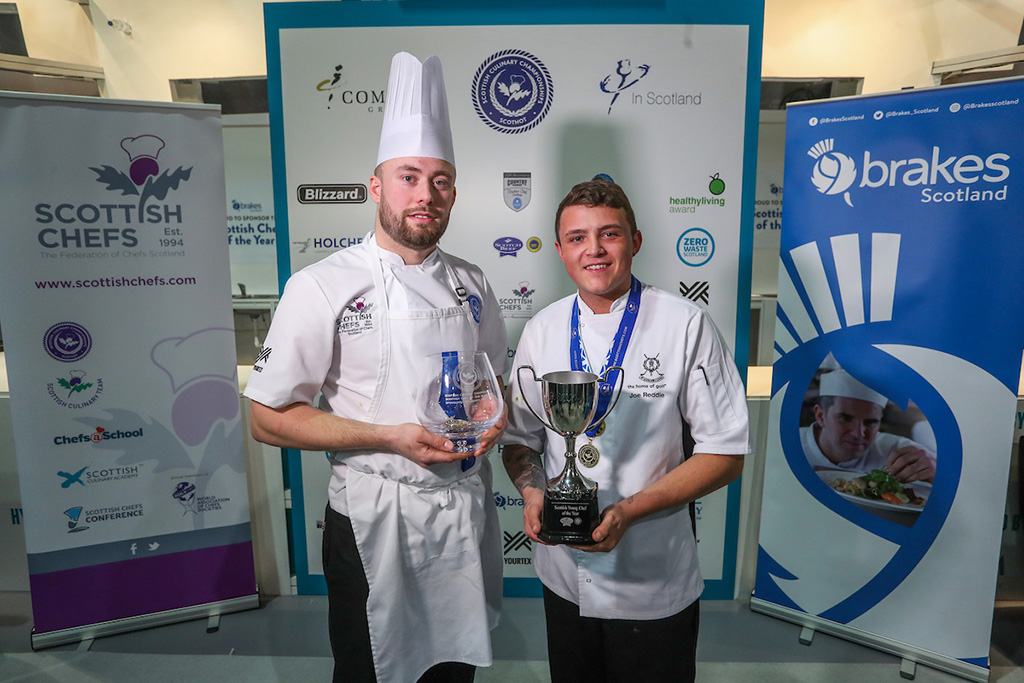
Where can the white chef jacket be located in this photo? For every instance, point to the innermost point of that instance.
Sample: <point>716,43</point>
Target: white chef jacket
<point>874,458</point>
<point>677,372</point>
<point>325,335</point>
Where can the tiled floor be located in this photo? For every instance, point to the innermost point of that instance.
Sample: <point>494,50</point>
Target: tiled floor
<point>286,640</point>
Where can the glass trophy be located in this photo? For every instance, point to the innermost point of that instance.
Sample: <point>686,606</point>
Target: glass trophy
<point>460,399</point>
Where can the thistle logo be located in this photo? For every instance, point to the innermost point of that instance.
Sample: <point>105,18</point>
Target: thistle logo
<point>627,76</point>
<point>512,91</point>
<point>834,172</point>
<point>67,342</point>
<point>142,178</point>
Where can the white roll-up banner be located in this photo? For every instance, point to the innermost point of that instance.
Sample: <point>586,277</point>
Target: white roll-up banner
<point>900,265</point>
<point>120,352</point>
<point>663,99</point>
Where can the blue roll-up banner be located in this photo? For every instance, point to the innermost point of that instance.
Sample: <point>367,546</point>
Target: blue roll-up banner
<point>662,97</point>
<point>902,236</point>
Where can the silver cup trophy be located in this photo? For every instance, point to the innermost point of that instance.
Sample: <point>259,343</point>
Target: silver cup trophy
<point>570,512</point>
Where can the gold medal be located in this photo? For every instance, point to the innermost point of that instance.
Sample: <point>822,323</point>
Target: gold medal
<point>588,455</point>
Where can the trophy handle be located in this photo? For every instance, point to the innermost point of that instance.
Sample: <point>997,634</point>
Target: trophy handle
<point>622,377</point>
<point>519,379</point>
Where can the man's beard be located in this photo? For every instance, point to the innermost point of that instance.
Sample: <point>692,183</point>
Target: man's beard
<point>402,233</point>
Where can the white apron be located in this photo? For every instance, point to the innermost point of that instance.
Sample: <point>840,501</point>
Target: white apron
<point>434,596</point>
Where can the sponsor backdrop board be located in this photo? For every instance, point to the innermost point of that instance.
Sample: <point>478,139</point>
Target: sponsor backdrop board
<point>121,362</point>
<point>663,100</point>
<point>900,263</point>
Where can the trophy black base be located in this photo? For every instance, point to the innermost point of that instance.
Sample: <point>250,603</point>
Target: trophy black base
<point>569,522</point>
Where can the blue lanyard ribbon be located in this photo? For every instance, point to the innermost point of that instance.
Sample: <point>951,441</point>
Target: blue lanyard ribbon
<point>578,355</point>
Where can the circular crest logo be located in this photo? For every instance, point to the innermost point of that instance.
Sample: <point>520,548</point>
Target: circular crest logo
<point>474,306</point>
<point>512,91</point>
<point>67,342</point>
<point>533,244</point>
<point>695,247</point>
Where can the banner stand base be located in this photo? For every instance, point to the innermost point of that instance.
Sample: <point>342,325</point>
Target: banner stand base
<point>909,653</point>
<point>83,634</point>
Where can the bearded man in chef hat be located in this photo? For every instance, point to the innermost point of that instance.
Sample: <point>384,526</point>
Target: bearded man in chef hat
<point>845,433</point>
<point>411,546</point>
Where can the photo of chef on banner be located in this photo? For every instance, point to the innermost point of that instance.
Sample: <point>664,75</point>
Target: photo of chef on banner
<point>867,449</point>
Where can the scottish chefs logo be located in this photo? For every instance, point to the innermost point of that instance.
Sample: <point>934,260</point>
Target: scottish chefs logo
<point>695,247</point>
<point>833,172</point>
<point>943,178</point>
<point>512,91</point>
<point>143,180</point>
<point>353,193</point>
<point>75,391</point>
<point>356,317</point>
<point>67,342</point>
<point>508,246</point>
<point>340,92</point>
<point>516,190</point>
<point>625,77</point>
<point>520,304</point>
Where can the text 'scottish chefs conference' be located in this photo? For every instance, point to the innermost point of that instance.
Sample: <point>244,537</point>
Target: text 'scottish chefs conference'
<point>121,358</point>
<point>664,101</point>
<point>900,294</point>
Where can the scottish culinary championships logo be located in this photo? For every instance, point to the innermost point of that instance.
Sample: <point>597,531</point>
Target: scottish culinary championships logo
<point>512,91</point>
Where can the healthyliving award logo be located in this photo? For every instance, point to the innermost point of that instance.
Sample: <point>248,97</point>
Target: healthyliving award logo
<point>625,77</point>
<point>512,91</point>
<point>833,172</point>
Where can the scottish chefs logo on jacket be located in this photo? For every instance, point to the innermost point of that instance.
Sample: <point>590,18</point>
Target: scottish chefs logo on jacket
<point>512,91</point>
<point>357,317</point>
<point>944,177</point>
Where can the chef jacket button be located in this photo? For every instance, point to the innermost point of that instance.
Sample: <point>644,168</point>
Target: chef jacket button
<point>588,580</point>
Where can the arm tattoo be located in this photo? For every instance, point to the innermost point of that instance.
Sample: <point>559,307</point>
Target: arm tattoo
<point>524,467</point>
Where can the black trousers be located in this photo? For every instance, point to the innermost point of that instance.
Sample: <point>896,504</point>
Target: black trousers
<point>347,591</point>
<point>589,650</point>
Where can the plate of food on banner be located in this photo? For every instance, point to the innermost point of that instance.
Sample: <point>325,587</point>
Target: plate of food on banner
<point>879,492</point>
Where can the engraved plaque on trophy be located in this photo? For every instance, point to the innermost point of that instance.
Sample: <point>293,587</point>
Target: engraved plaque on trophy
<point>570,400</point>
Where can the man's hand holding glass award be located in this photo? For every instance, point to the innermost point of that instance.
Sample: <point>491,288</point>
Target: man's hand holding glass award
<point>570,400</point>
<point>460,399</point>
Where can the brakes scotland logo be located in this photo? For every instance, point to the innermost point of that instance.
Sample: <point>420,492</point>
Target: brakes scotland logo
<point>944,178</point>
<point>833,172</point>
<point>512,91</point>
